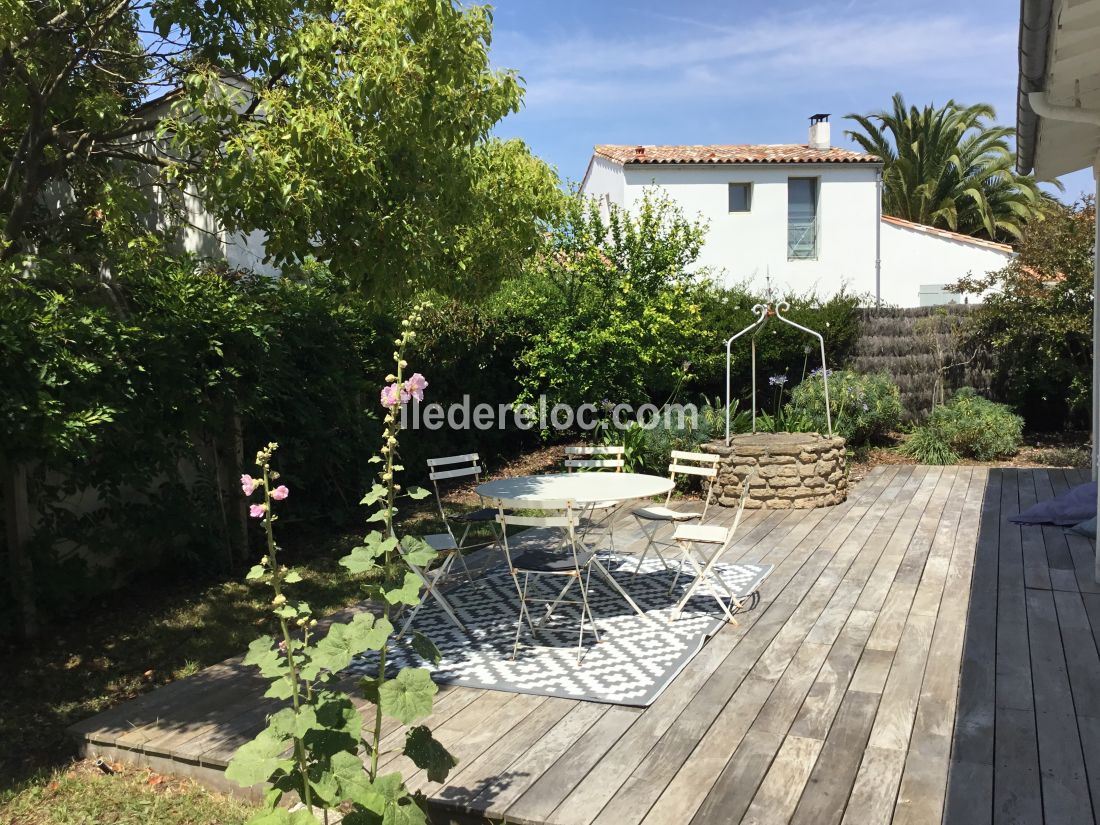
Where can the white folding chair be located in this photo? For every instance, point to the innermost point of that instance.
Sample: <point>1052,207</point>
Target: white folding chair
<point>433,580</point>
<point>652,517</point>
<point>444,469</point>
<point>559,555</point>
<point>598,457</point>
<point>701,545</point>
<point>449,547</point>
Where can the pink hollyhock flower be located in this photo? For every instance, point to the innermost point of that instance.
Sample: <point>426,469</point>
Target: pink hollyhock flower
<point>393,397</point>
<point>248,484</point>
<point>280,492</point>
<point>257,510</point>
<point>415,386</point>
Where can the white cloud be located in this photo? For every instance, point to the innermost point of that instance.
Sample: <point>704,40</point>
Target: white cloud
<point>836,51</point>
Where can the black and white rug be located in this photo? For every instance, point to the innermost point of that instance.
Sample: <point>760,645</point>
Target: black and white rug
<point>636,658</point>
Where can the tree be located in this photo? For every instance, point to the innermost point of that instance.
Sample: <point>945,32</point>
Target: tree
<point>353,131</point>
<point>369,148</point>
<point>949,167</point>
<point>617,304</point>
<point>1037,318</point>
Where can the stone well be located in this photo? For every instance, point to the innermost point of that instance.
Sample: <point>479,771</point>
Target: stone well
<point>793,470</point>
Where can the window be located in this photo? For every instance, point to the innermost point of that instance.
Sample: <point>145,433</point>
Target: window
<point>801,218</point>
<point>740,197</point>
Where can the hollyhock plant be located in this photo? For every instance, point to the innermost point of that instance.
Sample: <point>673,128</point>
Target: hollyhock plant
<point>394,396</point>
<point>248,484</point>
<point>415,385</point>
<point>257,510</point>
<point>280,492</point>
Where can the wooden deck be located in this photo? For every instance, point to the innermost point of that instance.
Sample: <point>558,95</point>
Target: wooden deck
<point>913,659</point>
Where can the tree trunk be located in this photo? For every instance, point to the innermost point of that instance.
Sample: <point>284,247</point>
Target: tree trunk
<point>13,486</point>
<point>231,449</point>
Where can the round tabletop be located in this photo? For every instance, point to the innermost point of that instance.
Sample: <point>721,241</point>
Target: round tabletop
<point>583,488</point>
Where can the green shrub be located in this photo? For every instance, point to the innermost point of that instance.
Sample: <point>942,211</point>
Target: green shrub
<point>969,426</point>
<point>864,407</point>
<point>928,447</point>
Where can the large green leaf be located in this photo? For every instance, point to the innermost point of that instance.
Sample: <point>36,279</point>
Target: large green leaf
<point>281,816</point>
<point>417,551</point>
<point>258,760</point>
<point>263,654</point>
<point>425,647</point>
<point>345,641</point>
<point>428,753</point>
<point>408,697</point>
<point>407,593</point>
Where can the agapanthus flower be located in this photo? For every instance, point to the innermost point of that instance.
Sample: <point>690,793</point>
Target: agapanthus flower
<point>393,396</point>
<point>865,408</point>
<point>777,380</point>
<point>684,367</point>
<point>817,372</point>
<point>248,484</point>
<point>415,385</point>
<point>280,492</point>
<point>257,510</point>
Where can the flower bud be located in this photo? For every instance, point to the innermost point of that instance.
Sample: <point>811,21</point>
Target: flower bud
<point>265,560</point>
<point>403,363</point>
<point>278,600</point>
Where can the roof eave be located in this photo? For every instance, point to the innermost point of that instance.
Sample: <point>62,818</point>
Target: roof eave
<point>1035,20</point>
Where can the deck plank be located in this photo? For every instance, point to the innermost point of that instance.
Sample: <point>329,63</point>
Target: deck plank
<point>913,654</point>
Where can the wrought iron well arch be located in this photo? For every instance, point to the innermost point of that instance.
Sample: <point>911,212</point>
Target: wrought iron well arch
<point>765,312</point>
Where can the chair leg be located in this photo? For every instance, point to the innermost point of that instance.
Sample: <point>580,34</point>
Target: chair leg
<point>550,608</point>
<point>519,619</point>
<point>650,535</point>
<point>586,610</point>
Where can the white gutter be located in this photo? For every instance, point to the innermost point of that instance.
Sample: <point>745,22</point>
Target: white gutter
<point>1042,106</point>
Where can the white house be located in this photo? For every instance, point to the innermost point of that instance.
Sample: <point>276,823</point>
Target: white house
<point>805,215</point>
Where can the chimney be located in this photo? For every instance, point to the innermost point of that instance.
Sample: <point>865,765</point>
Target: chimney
<point>819,131</point>
<point>639,151</point>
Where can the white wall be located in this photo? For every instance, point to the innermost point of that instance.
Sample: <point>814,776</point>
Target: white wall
<point>747,246</point>
<point>912,258</point>
<point>604,181</point>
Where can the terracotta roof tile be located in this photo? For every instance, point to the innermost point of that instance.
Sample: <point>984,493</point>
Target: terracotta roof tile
<point>947,233</point>
<point>732,153</point>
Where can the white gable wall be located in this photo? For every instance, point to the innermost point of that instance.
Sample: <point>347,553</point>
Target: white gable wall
<point>748,246</point>
<point>913,260</point>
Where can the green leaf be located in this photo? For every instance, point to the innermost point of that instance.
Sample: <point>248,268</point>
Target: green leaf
<point>418,493</point>
<point>375,494</point>
<point>409,696</point>
<point>281,816</point>
<point>255,572</point>
<point>428,753</point>
<point>425,647</point>
<point>262,654</point>
<point>345,641</point>
<point>417,551</point>
<point>407,593</point>
<point>282,688</point>
<point>258,760</point>
<point>292,577</point>
<point>383,514</point>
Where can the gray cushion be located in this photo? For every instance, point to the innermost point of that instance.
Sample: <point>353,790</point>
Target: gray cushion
<point>1085,528</point>
<point>1071,507</point>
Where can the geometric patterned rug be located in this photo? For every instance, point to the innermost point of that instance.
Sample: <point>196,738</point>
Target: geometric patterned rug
<point>636,658</point>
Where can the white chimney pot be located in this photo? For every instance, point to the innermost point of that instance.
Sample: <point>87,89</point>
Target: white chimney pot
<point>819,132</point>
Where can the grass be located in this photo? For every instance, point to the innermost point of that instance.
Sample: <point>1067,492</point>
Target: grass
<point>83,795</point>
<point>135,640</point>
<point>140,638</point>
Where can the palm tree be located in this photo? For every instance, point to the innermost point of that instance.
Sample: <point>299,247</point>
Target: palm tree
<point>949,167</point>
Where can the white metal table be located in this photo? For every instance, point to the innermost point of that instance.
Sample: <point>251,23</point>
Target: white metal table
<point>581,489</point>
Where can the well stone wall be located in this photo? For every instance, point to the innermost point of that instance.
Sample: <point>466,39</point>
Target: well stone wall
<point>792,470</point>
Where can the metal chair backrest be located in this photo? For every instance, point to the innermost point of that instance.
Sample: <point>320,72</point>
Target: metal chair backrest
<point>469,465</point>
<point>560,515</point>
<point>704,465</point>
<point>599,457</point>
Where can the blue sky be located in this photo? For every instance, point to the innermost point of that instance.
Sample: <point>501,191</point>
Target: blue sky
<point>707,71</point>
